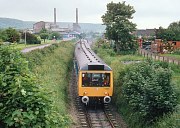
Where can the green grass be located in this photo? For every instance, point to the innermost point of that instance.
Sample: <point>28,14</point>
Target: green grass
<point>172,55</point>
<point>53,74</point>
<point>22,46</point>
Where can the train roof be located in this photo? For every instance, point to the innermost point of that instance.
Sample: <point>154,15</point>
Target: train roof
<point>87,59</point>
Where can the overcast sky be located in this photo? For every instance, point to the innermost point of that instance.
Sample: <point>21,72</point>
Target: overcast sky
<point>149,13</point>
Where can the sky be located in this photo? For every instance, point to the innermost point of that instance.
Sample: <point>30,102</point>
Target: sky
<point>149,13</point>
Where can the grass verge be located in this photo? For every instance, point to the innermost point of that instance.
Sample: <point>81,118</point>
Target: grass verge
<point>172,55</point>
<point>52,66</point>
<point>22,46</point>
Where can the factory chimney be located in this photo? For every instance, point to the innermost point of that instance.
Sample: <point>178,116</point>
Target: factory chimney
<point>76,15</point>
<point>54,15</point>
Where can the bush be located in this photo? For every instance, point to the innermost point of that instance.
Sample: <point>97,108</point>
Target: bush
<point>148,90</point>
<point>10,35</point>
<point>23,103</point>
<point>52,66</point>
<point>30,38</point>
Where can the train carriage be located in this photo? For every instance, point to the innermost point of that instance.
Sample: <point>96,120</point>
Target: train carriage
<point>95,78</point>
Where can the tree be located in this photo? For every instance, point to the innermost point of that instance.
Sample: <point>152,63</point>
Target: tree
<point>55,35</point>
<point>10,35</point>
<point>30,38</point>
<point>171,33</point>
<point>165,34</point>
<point>175,27</point>
<point>118,25</point>
<point>43,30</point>
<point>44,36</point>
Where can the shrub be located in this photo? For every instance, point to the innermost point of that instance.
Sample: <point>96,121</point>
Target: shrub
<point>30,38</point>
<point>10,35</point>
<point>23,103</point>
<point>148,90</point>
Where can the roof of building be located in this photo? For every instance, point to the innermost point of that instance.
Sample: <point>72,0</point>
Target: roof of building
<point>145,32</point>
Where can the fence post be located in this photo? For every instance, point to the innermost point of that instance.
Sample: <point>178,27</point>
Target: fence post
<point>158,57</point>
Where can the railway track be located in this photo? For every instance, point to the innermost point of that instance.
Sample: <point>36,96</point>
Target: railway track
<point>92,116</point>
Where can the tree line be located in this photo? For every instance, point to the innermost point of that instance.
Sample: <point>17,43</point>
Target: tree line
<point>12,35</point>
<point>172,33</point>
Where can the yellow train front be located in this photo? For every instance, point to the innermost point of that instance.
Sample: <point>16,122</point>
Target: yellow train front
<point>95,78</point>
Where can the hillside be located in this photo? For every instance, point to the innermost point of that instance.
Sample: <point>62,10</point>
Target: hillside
<point>19,24</point>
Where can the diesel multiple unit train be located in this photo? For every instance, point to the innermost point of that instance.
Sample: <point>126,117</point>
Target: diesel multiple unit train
<point>95,78</point>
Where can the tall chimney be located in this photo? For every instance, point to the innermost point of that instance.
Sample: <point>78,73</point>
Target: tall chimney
<point>76,15</point>
<point>54,15</point>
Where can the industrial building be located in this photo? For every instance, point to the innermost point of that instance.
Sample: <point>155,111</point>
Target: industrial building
<point>73,31</point>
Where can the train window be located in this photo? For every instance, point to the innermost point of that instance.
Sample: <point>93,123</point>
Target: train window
<point>96,79</point>
<point>85,79</point>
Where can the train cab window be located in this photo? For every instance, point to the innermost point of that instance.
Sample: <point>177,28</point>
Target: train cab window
<point>85,79</point>
<point>96,79</point>
<point>106,79</point>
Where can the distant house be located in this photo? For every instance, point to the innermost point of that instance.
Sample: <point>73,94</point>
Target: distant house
<point>145,32</point>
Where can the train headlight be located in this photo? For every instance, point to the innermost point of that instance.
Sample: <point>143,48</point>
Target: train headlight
<point>107,99</point>
<point>85,99</point>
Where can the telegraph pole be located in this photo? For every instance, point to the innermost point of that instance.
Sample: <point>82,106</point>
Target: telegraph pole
<point>25,37</point>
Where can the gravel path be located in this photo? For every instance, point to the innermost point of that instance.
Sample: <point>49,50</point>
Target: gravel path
<point>33,48</point>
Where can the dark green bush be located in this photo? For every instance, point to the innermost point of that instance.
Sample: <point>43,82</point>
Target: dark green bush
<point>23,103</point>
<point>30,38</point>
<point>148,90</point>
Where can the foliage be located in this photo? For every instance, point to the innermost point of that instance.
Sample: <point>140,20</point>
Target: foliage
<point>44,36</point>
<point>43,30</point>
<point>171,33</point>
<point>57,36</point>
<point>132,118</point>
<point>30,38</point>
<point>36,57</point>
<point>176,51</point>
<point>10,35</point>
<point>23,103</point>
<point>119,27</point>
<point>148,90</point>
<point>52,66</point>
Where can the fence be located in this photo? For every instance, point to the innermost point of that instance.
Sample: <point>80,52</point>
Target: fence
<point>158,57</point>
